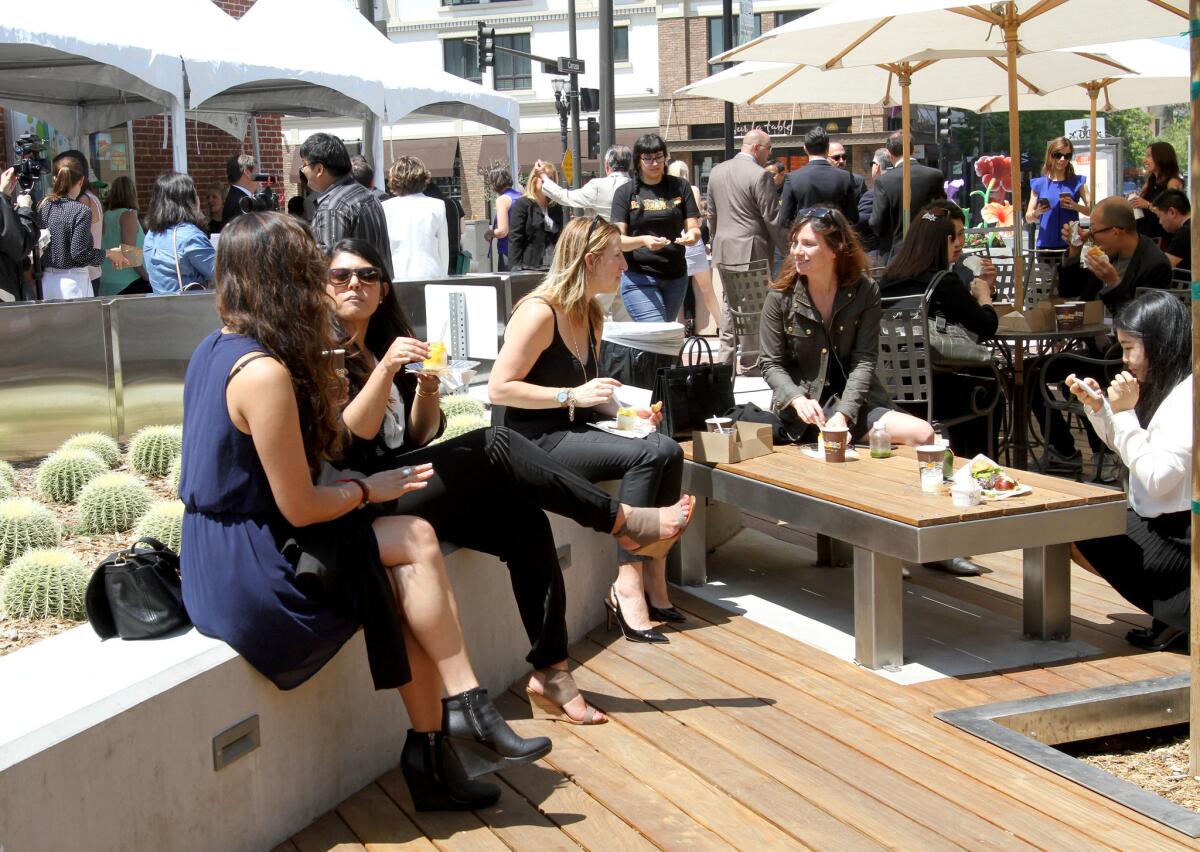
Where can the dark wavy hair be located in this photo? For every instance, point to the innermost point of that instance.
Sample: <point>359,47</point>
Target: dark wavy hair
<point>1164,325</point>
<point>1166,165</point>
<point>831,225</point>
<point>925,247</point>
<point>270,279</point>
<point>174,201</point>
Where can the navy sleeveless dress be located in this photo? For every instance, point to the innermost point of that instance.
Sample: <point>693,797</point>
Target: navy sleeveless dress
<point>237,585</point>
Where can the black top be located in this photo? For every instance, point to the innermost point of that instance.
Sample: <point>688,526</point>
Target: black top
<point>1181,245</point>
<point>818,183</point>
<point>16,241</point>
<point>1148,267</point>
<point>555,367</point>
<point>530,242</point>
<point>70,225</point>
<point>231,209</point>
<point>661,210</point>
<point>951,299</point>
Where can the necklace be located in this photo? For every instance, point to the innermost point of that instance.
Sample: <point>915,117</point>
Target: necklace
<point>575,350</point>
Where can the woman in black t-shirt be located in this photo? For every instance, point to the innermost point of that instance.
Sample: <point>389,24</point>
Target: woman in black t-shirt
<point>657,216</point>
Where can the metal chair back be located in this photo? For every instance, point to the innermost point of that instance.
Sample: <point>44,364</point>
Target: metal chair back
<point>1005,289</point>
<point>904,366</point>
<point>1040,274</point>
<point>746,286</point>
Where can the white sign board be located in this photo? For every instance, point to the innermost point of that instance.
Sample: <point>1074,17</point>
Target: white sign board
<point>1081,128</point>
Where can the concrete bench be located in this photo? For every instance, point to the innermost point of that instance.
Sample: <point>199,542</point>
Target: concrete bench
<point>114,745</point>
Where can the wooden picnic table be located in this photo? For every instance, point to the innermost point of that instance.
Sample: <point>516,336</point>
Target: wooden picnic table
<point>877,507</point>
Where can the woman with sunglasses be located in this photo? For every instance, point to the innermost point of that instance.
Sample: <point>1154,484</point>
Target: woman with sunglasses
<point>1058,196</point>
<point>820,337</point>
<point>489,486</point>
<point>548,377</point>
<point>261,415</point>
<point>658,218</point>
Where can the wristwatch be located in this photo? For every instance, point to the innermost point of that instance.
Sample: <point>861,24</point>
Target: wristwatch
<point>564,394</point>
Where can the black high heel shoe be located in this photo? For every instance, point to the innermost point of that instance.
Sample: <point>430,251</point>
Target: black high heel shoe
<point>669,614</point>
<point>613,607</point>
<point>1160,637</point>
<point>482,739</point>
<point>436,779</point>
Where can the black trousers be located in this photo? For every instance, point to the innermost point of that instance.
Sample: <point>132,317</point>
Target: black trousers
<point>1056,434</point>
<point>487,493</point>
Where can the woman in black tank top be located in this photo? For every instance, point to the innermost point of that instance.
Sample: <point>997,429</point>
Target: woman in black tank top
<point>547,377</point>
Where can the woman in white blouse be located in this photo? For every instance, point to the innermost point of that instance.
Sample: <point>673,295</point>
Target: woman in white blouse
<point>416,223</point>
<point>1150,565</point>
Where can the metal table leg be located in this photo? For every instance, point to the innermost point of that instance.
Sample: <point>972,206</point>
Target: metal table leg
<point>1048,592</point>
<point>832,551</point>
<point>878,610</point>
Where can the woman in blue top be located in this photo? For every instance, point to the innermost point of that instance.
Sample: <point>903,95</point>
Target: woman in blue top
<point>1058,196</point>
<point>176,251</point>
<point>500,180</point>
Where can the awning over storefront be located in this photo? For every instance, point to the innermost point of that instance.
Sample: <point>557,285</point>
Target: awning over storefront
<point>548,147</point>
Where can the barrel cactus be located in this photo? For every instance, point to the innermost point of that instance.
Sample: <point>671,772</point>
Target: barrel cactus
<point>461,404</point>
<point>6,490</point>
<point>152,449</point>
<point>45,583</point>
<point>174,472</point>
<point>163,521</point>
<point>9,474</point>
<point>24,525</point>
<point>112,503</point>
<point>99,443</point>
<point>461,424</point>
<point>63,474</point>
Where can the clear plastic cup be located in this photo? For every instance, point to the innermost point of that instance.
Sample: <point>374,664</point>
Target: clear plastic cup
<point>929,466</point>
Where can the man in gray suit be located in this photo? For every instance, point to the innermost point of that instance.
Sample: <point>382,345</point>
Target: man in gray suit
<point>742,204</point>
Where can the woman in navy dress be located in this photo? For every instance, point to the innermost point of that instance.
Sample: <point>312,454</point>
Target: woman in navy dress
<point>261,411</point>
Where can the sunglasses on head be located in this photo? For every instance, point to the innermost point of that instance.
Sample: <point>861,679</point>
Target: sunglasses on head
<point>1062,155</point>
<point>340,277</point>
<point>820,214</point>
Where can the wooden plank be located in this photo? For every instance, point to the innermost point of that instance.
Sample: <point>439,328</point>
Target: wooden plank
<point>521,826</point>
<point>379,824</point>
<point>459,831</point>
<point>1043,680</point>
<point>327,834</point>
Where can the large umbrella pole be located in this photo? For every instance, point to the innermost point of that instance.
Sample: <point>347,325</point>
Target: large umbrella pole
<point>905,79</point>
<point>1194,180</point>
<point>1014,153</point>
<point>1093,93</point>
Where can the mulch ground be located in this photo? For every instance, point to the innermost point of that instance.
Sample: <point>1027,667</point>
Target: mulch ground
<point>1154,760</point>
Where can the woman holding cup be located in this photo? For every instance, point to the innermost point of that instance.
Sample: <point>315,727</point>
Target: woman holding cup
<point>1057,197</point>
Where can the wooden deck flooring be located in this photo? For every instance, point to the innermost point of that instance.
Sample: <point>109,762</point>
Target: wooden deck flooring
<point>737,737</point>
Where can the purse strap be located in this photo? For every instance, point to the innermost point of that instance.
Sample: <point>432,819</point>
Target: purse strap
<point>692,346</point>
<point>178,274</point>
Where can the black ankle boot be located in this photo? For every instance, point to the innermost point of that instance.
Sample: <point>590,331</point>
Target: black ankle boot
<point>482,739</point>
<point>435,778</point>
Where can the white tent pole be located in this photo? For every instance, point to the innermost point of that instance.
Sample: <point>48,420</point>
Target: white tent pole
<point>255,145</point>
<point>514,162</point>
<point>377,151</point>
<point>178,137</point>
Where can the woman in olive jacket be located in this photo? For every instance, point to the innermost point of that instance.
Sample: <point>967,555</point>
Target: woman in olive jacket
<point>820,337</point>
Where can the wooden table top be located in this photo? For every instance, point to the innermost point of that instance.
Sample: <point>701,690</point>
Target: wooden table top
<point>891,487</point>
<point>1052,334</point>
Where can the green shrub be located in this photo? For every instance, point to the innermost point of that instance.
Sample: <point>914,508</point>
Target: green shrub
<point>45,584</point>
<point>173,473</point>
<point>163,521</point>
<point>461,424</point>
<point>9,474</point>
<point>112,503</point>
<point>152,449</point>
<point>99,443</point>
<point>458,403</point>
<point>24,525</point>
<point>63,474</point>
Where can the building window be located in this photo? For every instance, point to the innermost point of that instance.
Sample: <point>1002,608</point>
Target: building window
<point>461,59</point>
<point>782,18</point>
<point>472,2</point>
<point>512,72</point>
<point>716,35</point>
<point>620,44</point>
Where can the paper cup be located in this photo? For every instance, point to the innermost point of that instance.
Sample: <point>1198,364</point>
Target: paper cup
<point>719,425</point>
<point>966,494</point>
<point>929,466</point>
<point>835,439</point>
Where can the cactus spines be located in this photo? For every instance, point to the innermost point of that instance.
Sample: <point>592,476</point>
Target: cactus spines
<point>163,521</point>
<point>45,584</point>
<point>9,474</point>
<point>63,474</point>
<point>111,503</point>
<point>99,443</point>
<point>461,404</point>
<point>152,449</point>
<point>174,472</point>
<point>24,525</point>
<point>6,489</point>
<point>461,424</point>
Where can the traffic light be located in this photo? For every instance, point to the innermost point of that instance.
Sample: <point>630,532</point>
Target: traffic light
<point>944,124</point>
<point>593,149</point>
<point>589,100</point>
<point>486,46</point>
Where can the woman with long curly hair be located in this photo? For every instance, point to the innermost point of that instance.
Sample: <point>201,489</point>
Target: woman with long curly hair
<point>261,413</point>
<point>1162,173</point>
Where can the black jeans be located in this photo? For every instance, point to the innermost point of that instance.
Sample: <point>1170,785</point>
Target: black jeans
<point>1054,427</point>
<point>487,493</point>
<point>650,468</point>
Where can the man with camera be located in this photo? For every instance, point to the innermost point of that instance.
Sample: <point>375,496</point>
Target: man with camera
<point>17,233</point>
<point>239,169</point>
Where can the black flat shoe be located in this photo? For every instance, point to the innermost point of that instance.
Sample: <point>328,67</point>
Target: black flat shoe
<point>613,607</point>
<point>436,778</point>
<point>482,739</point>
<point>1163,640</point>
<point>669,614</point>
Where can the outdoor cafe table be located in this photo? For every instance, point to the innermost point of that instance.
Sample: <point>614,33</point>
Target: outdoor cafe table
<point>877,507</point>
<point>1018,403</point>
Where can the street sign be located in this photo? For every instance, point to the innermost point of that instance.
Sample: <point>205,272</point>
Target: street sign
<point>567,65</point>
<point>568,168</point>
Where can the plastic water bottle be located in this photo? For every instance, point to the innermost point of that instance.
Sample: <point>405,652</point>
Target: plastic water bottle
<point>881,442</point>
<point>939,438</point>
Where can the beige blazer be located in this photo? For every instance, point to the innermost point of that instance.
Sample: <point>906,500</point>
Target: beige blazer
<point>742,204</point>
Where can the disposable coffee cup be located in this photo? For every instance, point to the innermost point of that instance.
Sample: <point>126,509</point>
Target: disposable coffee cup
<point>835,439</point>
<point>1064,316</point>
<point>719,425</point>
<point>929,465</point>
<point>966,493</point>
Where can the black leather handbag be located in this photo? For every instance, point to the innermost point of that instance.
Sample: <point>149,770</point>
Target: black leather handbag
<point>691,393</point>
<point>137,593</point>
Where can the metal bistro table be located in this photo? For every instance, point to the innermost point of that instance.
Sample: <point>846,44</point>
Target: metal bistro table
<point>1018,403</point>
<point>877,507</point>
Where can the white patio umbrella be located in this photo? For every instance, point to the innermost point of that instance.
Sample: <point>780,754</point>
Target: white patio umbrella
<point>849,33</point>
<point>1161,77</point>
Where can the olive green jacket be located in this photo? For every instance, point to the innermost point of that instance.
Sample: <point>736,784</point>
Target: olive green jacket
<point>796,347</point>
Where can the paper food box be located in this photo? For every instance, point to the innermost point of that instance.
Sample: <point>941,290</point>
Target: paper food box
<point>745,442</point>
<point>1041,316</point>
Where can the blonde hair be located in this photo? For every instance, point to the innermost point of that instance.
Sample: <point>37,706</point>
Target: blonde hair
<point>551,172</point>
<point>407,176</point>
<point>565,285</point>
<point>679,169</point>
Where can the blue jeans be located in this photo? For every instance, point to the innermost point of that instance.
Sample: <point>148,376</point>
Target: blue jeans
<point>650,299</point>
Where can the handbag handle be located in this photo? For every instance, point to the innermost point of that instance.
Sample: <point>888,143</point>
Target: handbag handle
<point>175,246</point>
<point>150,540</point>
<point>692,344</point>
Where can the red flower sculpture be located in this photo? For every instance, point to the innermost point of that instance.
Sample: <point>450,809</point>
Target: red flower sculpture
<point>996,173</point>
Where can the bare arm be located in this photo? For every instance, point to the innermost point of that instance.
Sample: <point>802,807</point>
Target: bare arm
<point>528,335</point>
<point>503,205</point>
<point>129,228</point>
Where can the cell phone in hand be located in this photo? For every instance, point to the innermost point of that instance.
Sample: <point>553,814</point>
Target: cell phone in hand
<point>338,357</point>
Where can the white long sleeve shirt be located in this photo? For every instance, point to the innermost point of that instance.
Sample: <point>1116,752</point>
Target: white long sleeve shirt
<point>1159,457</point>
<point>418,236</point>
<point>595,197</point>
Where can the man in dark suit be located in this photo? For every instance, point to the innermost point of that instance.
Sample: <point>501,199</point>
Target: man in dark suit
<point>837,156</point>
<point>887,213</point>
<point>239,170</point>
<point>819,183</point>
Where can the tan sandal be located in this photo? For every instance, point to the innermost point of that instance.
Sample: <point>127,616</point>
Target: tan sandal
<point>641,526</point>
<point>558,690</point>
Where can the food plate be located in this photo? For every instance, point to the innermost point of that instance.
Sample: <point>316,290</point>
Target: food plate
<point>990,494</point>
<point>456,366</point>
<point>610,426</point>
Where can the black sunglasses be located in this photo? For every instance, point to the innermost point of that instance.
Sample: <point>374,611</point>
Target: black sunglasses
<point>1061,155</point>
<point>821,214</point>
<point>340,277</point>
<point>841,157</point>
